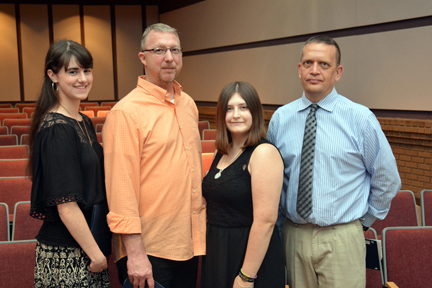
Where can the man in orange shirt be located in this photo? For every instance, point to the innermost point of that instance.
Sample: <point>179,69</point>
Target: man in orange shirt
<point>153,172</point>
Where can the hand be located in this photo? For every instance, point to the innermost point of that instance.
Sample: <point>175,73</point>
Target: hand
<point>140,271</point>
<point>98,265</point>
<point>239,283</point>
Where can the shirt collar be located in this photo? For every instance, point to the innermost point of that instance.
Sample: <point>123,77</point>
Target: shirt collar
<point>157,91</point>
<point>327,103</point>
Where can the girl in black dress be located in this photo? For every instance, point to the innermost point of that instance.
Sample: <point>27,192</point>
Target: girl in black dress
<point>242,190</point>
<point>66,166</point>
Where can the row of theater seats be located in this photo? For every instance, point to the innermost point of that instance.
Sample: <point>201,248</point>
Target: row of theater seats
<point>18,229</point>
<point>15,126</point>
<point>406,255</point>
<point>83,105</point>
<point>406,249</point>
<point>15,121</point>
<point>404,246</point>
<point>17,264</point>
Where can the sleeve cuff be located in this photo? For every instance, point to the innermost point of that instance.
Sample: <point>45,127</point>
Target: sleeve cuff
<point>123,225</point>
<point>367,220</point>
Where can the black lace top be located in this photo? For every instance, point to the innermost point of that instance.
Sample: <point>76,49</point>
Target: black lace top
<point>66,168</point>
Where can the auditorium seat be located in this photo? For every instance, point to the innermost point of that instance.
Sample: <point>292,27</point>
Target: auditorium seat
<point>110,104</point>
<point>95,109</point>
<point>407,256</point>
<point>88,113</point>
<point>14,190</point>
<point>85,104</point>
<point>29,111</point>
<point>97,120</point>
<point>14,152</point>
<point>8,140</point>
<point>102,113</point>
<point>13,167</point>
<point>209,134</point>
<point>24,226</point>
<point>374,277</point>
<point>16,122</point>
<point>4,130</point>
<point>20,130</point>
<point>5,105</point>
<point>403,212</point>
<point>99,128</point>
<point>9,110</point>
<point>4,222</point>
<point>21,106</point>
<point>24,139</point>
<point>208,146</point>
<point>17,263</point>
<point>201,126</point>
<point>11,116</point>
<point>426,207</point>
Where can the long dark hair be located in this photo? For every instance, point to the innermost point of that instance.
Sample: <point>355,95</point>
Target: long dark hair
<point>250,95</point>
<point>58,57</point>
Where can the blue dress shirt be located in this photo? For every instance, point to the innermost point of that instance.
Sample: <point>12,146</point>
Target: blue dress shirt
<point>355,174</point>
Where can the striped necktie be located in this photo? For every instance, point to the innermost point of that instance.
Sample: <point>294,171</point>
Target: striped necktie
<point>304,197</point>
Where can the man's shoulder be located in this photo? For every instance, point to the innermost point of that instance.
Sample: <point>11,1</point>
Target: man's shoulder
<point>137,98</point>
<point>288,108</point>
<point>186,97</point>
<point>354,107</point>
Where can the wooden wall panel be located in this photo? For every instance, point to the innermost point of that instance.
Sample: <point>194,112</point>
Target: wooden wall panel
<point>371,11</point>
<point>152,15</point>
<point>35,44</point>
<point>9,74</point>
<point>128,39</point>
<point>66,22</point>
<point>216,23</point>
<point>384,69</point>
<point>271,70</point>
<point>393,69</point>
<point>98,40</point>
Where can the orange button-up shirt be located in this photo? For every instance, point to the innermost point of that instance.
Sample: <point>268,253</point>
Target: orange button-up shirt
<point>153,172</point>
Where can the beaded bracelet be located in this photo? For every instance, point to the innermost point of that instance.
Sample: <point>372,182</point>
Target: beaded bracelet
<point>246,277</point>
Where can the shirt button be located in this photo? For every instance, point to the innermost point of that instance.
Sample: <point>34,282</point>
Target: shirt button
<point>193,191</point>
<point>194,212</point>
<point>181,127</point>
<point>187,147</point>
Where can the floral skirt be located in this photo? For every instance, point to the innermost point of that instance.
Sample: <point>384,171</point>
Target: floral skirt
<point>66,267</point>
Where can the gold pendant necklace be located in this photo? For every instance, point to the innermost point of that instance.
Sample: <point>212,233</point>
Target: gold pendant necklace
<point>85,127</point>
<point>219,174</point>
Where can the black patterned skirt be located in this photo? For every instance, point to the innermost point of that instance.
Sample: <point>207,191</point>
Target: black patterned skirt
<point>66,267</point>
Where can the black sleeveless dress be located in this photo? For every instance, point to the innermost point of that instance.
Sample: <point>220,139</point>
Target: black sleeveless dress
<point>230,217</point>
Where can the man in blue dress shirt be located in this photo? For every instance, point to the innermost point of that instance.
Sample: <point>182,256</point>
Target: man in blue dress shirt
<point>355,175</point>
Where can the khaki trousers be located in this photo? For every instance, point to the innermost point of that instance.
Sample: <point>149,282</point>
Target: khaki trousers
<point>325,257</point>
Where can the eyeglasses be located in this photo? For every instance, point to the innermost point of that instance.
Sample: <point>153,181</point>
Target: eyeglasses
<point>161,51</point>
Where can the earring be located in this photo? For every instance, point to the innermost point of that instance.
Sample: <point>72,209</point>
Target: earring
<point>54,86</point>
